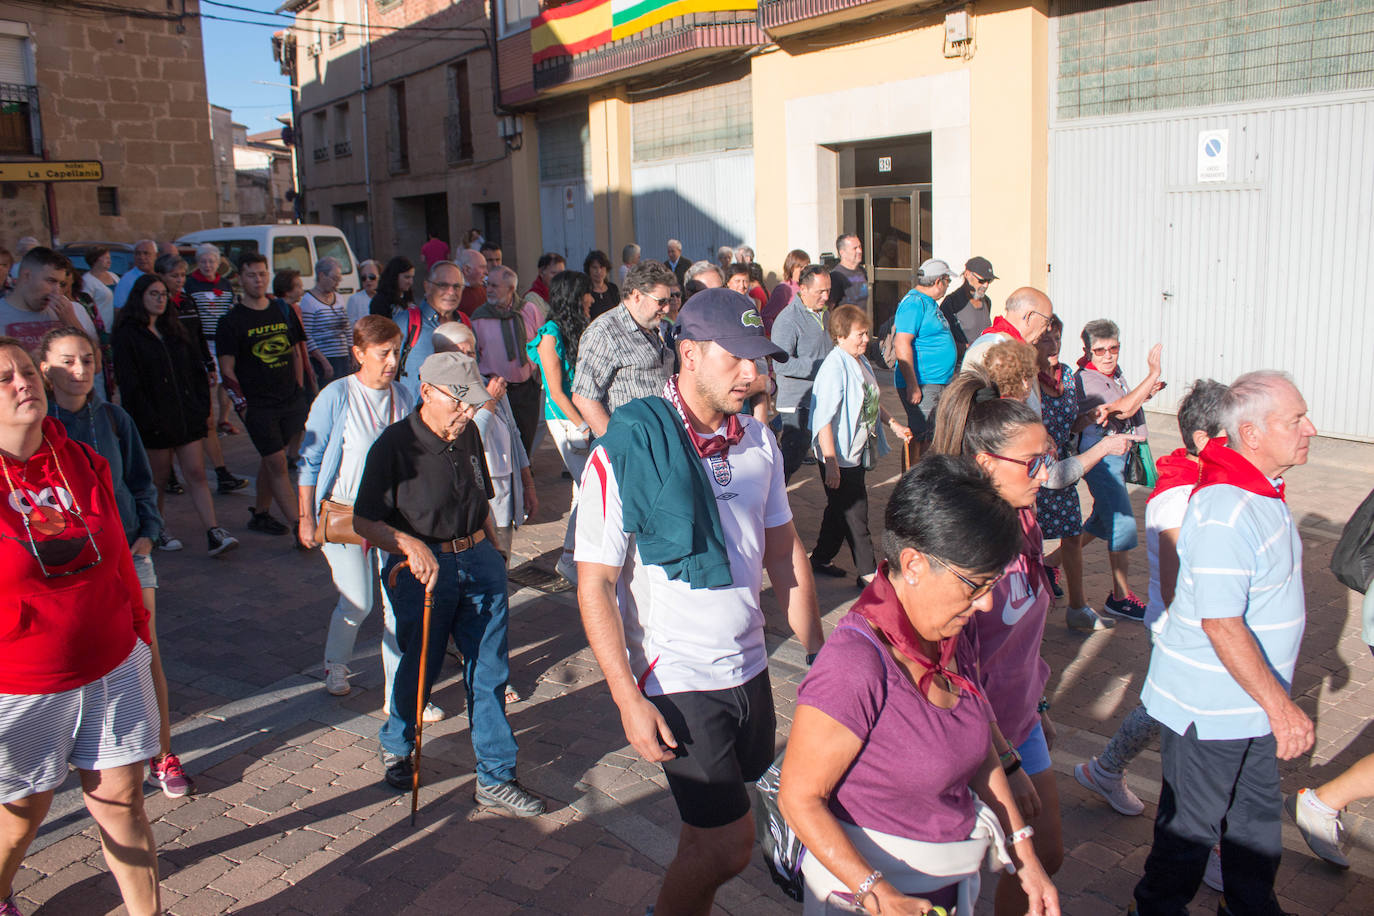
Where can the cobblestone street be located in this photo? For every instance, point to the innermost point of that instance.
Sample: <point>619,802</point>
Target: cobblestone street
<point>291,815</point>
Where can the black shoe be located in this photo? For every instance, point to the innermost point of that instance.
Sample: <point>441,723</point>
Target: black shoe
<point>399,772</point>
<point>828,569</point>
<point>174,486</point>
<point>264,523</point>
<point>228,483</point>
<point>1052,573</point>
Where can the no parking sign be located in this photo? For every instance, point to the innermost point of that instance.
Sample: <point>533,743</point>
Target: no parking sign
<point>1213,147</point>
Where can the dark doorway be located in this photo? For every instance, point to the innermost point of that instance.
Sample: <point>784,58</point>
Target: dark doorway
<point>487,218</point>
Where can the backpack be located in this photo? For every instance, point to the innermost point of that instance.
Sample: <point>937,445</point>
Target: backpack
<point>414,325</point>
<point>1353,560</point>
<point>887,348</point>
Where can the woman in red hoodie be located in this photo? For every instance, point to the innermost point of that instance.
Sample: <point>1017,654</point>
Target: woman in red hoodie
<point>76,685</point>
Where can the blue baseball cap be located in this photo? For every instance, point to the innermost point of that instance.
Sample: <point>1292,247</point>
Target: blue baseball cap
<point>728,318</point>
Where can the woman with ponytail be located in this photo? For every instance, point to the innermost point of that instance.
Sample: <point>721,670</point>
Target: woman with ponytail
<point>1007,439</point>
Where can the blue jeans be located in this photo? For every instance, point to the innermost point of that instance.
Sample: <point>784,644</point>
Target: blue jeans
<point>1112,518</point>
<point>470,602</point>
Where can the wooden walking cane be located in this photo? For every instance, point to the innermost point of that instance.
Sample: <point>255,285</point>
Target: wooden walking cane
<point>419,690</point>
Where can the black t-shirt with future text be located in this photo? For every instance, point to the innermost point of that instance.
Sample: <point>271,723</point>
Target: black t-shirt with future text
<point>263,344</point>
<point>423,485</point>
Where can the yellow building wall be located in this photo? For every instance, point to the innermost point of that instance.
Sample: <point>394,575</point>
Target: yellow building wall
<point>608,122</point>
<point>1009,117</point>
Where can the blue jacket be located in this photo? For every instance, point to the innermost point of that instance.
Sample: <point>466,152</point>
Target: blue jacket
<point>109,430</point>
<point>676,527</point>
<point>322,444</point>
<point>838,399</point>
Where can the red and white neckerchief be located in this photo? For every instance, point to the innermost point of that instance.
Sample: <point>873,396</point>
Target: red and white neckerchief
<point>706,446</point>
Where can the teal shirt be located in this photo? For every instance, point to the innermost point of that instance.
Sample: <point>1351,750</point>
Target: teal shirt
<point>551,409</point>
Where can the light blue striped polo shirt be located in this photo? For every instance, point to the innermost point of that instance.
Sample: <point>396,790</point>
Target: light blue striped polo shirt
<point>1239,554</point>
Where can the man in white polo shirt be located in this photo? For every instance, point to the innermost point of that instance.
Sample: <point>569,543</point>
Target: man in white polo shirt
<point>682,508</point>
<point>1222,667</point>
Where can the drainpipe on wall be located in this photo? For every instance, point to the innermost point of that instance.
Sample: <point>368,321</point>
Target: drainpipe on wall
<point>365,83</point>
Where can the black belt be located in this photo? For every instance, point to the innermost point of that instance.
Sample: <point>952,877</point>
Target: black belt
<point>458,545</point>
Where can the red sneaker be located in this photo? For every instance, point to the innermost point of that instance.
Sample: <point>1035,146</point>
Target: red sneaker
<point>168,775</point>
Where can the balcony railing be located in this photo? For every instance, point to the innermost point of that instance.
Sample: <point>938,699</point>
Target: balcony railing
<point>343,148</point>
<point>19,130</point>
<point>321,153</point>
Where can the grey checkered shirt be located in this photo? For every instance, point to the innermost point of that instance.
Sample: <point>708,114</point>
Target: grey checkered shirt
<point>618,361</point>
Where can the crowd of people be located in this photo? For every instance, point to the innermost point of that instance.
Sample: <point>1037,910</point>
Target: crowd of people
<point>681,398</point>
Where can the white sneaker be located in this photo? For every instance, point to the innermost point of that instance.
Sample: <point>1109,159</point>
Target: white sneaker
<point>1322,831</point>
<point>1212,876</point>
<point>1086,618</point>
<point>433,714</point>
<point>336,680</point>
<point>566,567</point>
<point>1115,791</point>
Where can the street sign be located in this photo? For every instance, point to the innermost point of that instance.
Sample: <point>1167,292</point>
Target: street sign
<point>51,171</point>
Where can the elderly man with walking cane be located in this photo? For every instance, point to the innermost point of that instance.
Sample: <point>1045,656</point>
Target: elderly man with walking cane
<point>423,499</point>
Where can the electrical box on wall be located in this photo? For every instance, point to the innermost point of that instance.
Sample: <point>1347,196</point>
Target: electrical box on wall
<point>957,27</point>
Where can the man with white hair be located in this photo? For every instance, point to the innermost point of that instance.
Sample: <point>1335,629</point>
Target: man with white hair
<point>474,267</point>
<point>508,464</point>
<point>145,256</point>
<point>676,262</point>
<point>1222,667</point>
<point>1026,318</point>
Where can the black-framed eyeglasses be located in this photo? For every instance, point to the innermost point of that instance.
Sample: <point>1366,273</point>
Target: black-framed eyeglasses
<point>47,574</point>
<point>1033,466</point>
<point>368,278</point>
<point>977,590</point>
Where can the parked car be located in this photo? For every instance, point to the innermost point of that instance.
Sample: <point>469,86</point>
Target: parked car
<point>285,245</point>
<point>121,255</point>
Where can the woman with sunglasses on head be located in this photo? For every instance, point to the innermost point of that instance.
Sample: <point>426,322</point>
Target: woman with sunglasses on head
<point>1008,441</point>
<point>360,303</point>
<point>77,684</point>
<point>67,361</point>
<point>1106,404</point>
<point>891,780</point>
<point>163,386</point>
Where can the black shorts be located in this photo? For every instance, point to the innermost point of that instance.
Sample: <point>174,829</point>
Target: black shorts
<point>270,428</point>
<point>725,740</point>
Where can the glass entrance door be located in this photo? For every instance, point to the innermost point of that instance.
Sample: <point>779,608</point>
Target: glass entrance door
<point>893,224</point>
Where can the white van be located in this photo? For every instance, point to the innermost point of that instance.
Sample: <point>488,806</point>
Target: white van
<point>296,247</point>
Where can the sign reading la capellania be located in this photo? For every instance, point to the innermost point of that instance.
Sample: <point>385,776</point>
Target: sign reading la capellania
<point>578,27</point>
<point>86,170</point>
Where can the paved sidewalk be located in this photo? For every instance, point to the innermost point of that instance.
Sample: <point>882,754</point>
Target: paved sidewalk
<point>291,816</point>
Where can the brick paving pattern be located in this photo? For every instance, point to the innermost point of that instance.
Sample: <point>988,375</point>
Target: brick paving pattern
<point>291,816</point>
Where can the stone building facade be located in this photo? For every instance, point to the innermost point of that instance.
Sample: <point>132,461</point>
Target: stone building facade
<point>79,83</point>
<point>398,136</point>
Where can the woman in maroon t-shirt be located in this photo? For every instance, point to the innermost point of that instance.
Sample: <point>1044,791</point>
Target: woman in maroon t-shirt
<point>77,685</point>
<point>892,736</point>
